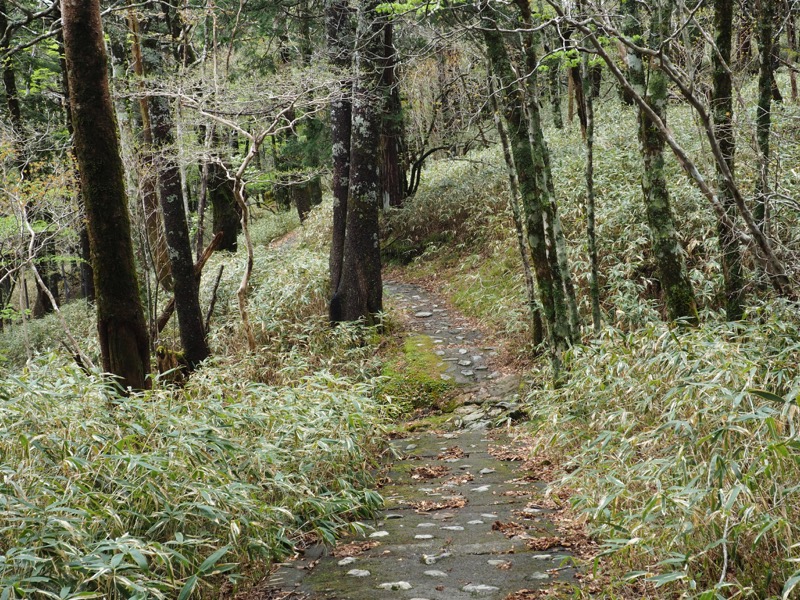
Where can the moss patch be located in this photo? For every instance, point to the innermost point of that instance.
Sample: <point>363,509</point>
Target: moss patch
<point>414,374</point>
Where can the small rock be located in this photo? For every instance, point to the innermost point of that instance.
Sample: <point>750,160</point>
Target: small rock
<point>347,560</point>
<point>445,377</point>
<point>432,559</point>
<point>497,563</point>
<point>437,341</point>
<point>410,447</point>
<point>489,516</point>
<point>541,556</point>
<point>378,534</point>
<point>475,522</point>
<point>435,573</point>
<point>467,373</point>
<point>464,363</point>
<point>393,516</point>
<point>486,471</point>
<point>395,585</point>
<point>535,576</point>
<point>481,368</point>
<point>427,525</point>
<point>476,358</point>
<point>473,416</point>
<point>462,351</point>
<point>452,528</point>
<point>423,536</point>
<point>465,467</point>
<point>482,488</point>
<point>358,573</point>
<point>530,511</point>
<point>461,338</point>
<point>440,353</point>
<point>423,314</point>
<point>473,588</point>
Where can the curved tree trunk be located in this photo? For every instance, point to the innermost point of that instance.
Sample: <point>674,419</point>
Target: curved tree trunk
<point>124,342</point>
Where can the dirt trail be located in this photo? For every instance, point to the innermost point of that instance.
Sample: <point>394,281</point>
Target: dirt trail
<point>462,519</point>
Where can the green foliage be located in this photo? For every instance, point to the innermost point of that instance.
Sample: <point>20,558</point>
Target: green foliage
<point>170,493</point>
<point>684,449</point>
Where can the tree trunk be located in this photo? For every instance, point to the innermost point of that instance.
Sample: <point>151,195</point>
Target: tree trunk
<point>534,197</point>
<point>187,301</point>
<point>339,33</point>
<point>393,166</point>
<point>225,216</point>
<point>563,288</point>
<point>124,342</point>
<point>766,19</point>
<point>791,44</point>
<point>722,109</point>
<point>513,202</point>
<point>678,292</point>
<point>360,293</point>
<point>148,184</point>
<point>594,285</point>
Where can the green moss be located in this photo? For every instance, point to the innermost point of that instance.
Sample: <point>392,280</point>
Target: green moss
<point>414,374</point>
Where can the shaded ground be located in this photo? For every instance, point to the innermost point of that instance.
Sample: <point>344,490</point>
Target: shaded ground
<point>462,519</point>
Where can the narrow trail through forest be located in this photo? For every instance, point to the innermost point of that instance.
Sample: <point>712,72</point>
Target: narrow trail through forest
<point>463,517</point>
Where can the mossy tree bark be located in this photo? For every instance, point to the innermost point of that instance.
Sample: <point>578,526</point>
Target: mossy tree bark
<point>339,34</point>
<point>563,287</point>
<point>359,294</point>
<point>722,109</point>
<point>678,292</point>
<point>534,196</point>
<point>124,342</point>
<point>513,202</point>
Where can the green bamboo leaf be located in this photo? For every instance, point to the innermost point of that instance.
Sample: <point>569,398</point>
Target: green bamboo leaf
<point>769,396</point>
<point>188,587</point>
<point>212,560</point>
<point>790,584</point>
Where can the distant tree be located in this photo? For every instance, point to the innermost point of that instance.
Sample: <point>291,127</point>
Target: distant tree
<point>124,343</point>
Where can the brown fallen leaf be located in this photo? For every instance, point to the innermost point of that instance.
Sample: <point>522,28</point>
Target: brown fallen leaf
<point>424,506</point>
<point>429,472</point>
<point>452,452</point>
<point>510,529</point>
<point>353,549</point>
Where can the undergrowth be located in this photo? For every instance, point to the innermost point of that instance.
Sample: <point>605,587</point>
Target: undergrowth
<point>175,492</point>
<point>684,452</point>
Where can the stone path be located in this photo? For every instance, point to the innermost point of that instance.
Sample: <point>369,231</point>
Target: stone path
<point>461,521</point>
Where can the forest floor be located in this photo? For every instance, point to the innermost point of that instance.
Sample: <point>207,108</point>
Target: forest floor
<point>466,511</point>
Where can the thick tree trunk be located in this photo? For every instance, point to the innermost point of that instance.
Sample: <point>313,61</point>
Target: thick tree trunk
<point>722,109</point>
<point>124,342</point>
<point>339,32</point>
<point>360,294</point>
<point>187,301</point>
<point>678,292</point>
